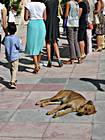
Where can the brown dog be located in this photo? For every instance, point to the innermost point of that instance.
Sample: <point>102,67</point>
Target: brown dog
<point>69,101</point>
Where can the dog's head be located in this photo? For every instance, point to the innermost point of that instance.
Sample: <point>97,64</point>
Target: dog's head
<point>87,109</point>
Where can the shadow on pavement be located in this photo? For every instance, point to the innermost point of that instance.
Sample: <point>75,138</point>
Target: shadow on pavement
<point>95,82</point>
<point>5,83</point>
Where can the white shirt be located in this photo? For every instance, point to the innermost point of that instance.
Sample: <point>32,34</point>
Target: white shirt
<point>36,10</point>
<point>11,17</point>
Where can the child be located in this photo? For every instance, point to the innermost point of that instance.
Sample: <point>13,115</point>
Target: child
<point>12,47</point>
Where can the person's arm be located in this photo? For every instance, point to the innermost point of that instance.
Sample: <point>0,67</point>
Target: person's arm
<point>44,15</point>
<point>4,19</point>
<point>80,11</point>
<point>67,9</point>
<point>98,7</point>
<point>26,14</point>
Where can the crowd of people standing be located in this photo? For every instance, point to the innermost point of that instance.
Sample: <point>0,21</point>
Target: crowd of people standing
<point>82,20</point>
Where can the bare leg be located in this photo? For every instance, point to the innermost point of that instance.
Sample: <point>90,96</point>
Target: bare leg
<point>39,58</point>
<point>57,53</point>
<point>82,48</point>
<point>56,50</point>
<point>35,59</point>
<point>48,51</point>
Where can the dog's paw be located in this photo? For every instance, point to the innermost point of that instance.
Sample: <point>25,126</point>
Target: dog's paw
<point>54,116</point>
<point>48,113</point>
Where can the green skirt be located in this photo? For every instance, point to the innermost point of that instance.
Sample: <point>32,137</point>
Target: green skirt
<point>35,40</point>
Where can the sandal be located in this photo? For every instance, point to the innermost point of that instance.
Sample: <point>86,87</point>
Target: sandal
<point>79,61</point>
<point>98,50</point>
<point>49,64</point>
<point>60,63</point>
<point>83,56</point>
<point>36,70</point>
<point>68,62</point>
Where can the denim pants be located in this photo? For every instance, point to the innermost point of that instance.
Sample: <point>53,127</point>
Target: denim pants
<point>72,37</point>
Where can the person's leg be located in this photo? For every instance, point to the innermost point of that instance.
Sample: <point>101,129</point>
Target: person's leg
<point>99,41</point>
<point>82,49</point>
<point>57,53</point>
<point>13,71</point>
<point>89,41</point>
<point>81,36</point>
<point>38,59</point>
<point>70,38</point>
<point>35,59</point>
<point>48,47</point>
<point>76,45</point>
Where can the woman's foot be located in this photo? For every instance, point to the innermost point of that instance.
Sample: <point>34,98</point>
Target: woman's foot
<point>98,50</point>
<point>79,61</point>
<point>60,63</point>
<point>49,64</point>
<point>83,56</point>
<point>36,70</point>
<point>69,62</point>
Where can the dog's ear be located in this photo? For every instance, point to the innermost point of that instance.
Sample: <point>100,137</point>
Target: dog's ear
<point>89,102</point>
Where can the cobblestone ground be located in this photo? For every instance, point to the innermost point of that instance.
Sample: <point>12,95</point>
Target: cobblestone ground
<point>20,119</point>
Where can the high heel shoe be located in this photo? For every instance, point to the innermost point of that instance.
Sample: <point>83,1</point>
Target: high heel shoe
<point>49,64</point>
<point>60,63</point>
<point>36,70</point>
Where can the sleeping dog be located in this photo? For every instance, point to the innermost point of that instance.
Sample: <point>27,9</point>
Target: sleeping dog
<point>69,101</point>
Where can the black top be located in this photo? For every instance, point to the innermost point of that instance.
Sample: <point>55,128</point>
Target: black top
<point>84,16</point>
<point>52,20</point>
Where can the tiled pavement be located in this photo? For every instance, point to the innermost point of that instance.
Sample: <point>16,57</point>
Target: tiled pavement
<point>20,119</point>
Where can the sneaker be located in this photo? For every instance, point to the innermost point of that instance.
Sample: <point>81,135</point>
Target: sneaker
<point>12,85</point>
<point>49,64</point>
<point>60,63</point>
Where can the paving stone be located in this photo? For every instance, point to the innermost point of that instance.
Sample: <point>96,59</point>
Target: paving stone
<point>5,115</point>
<point>77,84</point>
<point>53,80</point>
<point>68,130</point>
<point>98,132</point>
<point>99,117</point>
<point>23,130</point>
<point>31,115</point>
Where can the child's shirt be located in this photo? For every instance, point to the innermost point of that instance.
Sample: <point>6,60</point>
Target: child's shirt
<point>12,47</point>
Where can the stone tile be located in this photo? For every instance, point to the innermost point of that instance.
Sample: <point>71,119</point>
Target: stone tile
<point>98,132</point>
<point>35,96</point>
<point>48,87</point>
<point>13,95</point>
<point>66,139</point>
<point>76,131</point>
<point>100,95</point>
<point>53,80</point>
<point>23,130</point>
<point>30,115</point>
<point>22,87</point>
<point>72,118</point>
<point>2,124</point>
<point>29,138</point>
<point>77,84</point>
<point>28,80</point>
<point>5,115</point>
<point>99,117</point>
<point>10,104</point>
